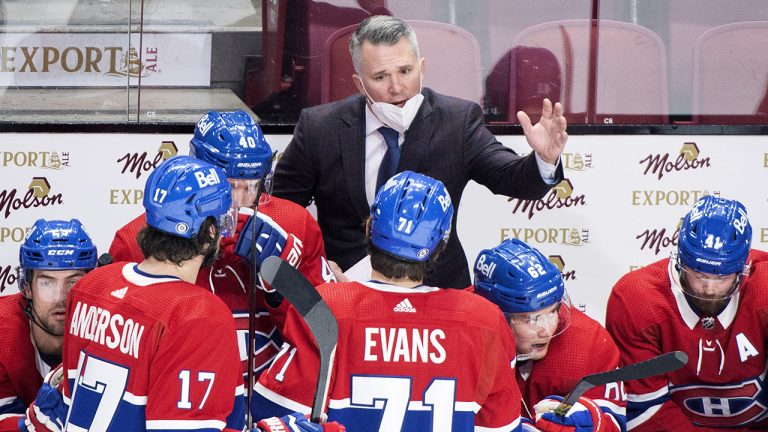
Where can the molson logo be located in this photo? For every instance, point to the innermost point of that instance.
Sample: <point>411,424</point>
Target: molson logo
<point>563,236</point>
<point>687,159</point>
<point>36,159</point>
<point>576,161</point>
<point>138,163</point>
<point>561,195</point>
<point>110,61</point>
<point>559,262</point>
<point>36,196</point>
<point>7,277</point>
<point>658,238</point>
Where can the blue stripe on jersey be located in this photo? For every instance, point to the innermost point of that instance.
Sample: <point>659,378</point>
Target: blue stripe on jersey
<point>367,419</point>
<point>236,419</point>
<point>636,409</point>
<point>262,408</point>
<point>620,418</point>
<point>12,405</point>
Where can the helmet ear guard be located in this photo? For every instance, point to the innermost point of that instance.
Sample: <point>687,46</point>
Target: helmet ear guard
<point>411,217</point>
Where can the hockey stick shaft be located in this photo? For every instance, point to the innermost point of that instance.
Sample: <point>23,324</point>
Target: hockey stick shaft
<point>252,306</point>
<point>292,285</point>
<point>661,364</point>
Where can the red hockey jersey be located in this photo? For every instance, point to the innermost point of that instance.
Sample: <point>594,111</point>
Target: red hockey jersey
<point>21,368</point>
<point>230,275</point>
<point>146,352</point>
<point>416,359</point>
<point>583,348</point>
<point>723,384</point>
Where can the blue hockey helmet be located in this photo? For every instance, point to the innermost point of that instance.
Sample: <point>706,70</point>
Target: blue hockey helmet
<point>57,245</point>
<point>517,278</point>
<point>411,215</point>
<point>182,192</point>
<point>233,142</point>
<point>715,237</point>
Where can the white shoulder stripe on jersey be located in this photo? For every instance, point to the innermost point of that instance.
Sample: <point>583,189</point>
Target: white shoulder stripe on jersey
<point>240,390</point>
<point>134,400</point>
<point>509,427</point>
<point>7,401</point>
<point>645,397</point>
<point>280,400</point>
<point>642,418</point>
<point>184,424</point>
<point>602,403</point>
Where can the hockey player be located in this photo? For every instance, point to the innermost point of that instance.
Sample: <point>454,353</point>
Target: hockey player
<point>557,345</point>
<point>144,348</point>
<point>709,300</point>
<point>409,357</point>
<point>236,144</point>
<point>55,254</point>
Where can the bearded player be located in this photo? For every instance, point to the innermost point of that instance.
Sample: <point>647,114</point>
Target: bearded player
<point>54,256</point>
<point>709,300</point>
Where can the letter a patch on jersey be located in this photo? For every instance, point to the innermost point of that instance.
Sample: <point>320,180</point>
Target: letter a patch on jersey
<point>746,349</point>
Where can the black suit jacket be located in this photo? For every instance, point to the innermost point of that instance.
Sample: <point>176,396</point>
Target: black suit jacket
<point>447,140</point>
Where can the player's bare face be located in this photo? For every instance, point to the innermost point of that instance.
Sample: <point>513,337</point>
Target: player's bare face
<point>390,73</point>
<point>49,296</point>
<point>709,292</point>
<point>534,331</point>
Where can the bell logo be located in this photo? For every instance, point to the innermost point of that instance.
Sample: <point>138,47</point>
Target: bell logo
<point>445,201</point>
<point>485,269</point>
<point>211,179</point>
<point>204,125</point>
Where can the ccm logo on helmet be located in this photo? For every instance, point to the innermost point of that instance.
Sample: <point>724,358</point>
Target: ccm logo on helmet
<point>486,269</point>
<point>61,252</point>
<point>204,180</point>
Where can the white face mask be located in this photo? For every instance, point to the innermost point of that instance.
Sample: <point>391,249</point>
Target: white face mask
<point>393,116</point>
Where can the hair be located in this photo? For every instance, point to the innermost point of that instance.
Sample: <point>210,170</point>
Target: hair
<point>163,246</point>
<point>394,267</point>
<point>380,30</point>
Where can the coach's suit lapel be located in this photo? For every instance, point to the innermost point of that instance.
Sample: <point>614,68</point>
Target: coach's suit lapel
<point>352,146</point>
<point>417,139</point>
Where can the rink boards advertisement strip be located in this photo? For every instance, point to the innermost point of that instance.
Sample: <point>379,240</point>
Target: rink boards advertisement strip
<point>618,208</point>
<point>104,59</point>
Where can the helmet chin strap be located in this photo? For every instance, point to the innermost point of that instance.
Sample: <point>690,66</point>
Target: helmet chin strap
<point>524,357</point>
<point>33,318</point>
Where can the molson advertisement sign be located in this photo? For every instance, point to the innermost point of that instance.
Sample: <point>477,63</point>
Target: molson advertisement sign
<point>105,59</point>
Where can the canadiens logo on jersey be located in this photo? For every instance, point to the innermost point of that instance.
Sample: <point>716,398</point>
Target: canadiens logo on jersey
<point>724,405</point>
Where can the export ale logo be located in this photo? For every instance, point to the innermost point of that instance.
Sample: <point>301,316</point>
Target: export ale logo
<point>560,196</point>
<point>36,159</point>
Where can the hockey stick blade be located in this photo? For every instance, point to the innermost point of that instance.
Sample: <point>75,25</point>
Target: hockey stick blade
<point>322,324</point>
<point>664,363</point>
